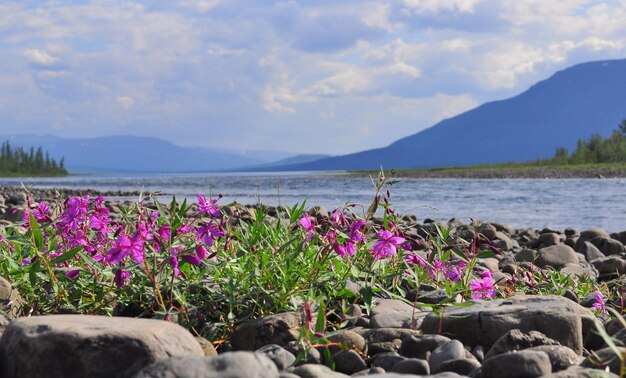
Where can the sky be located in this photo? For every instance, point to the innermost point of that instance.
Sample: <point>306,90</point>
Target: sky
<point>326,76</point>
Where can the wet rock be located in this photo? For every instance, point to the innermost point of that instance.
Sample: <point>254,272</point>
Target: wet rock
<point>89,346</point>
<point>486,321</point>
<point>377,335</point>
<point>522,364</point>
<point>370,371</point>
<point>383,347</point>
<point>279,355</point>
<point>277,329</point>
<point>232,364</point>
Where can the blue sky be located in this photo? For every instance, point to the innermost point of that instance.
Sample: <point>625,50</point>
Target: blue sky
<point>300,76</point>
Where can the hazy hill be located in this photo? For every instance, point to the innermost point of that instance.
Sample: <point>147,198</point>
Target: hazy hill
<point>572,104</point>
<point>139,154</point>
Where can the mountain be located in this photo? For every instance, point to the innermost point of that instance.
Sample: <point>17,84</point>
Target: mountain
<point>139,154</point>
<point>291,160</point>
<point>574,103</point>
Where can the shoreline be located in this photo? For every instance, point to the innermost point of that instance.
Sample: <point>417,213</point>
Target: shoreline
<point>504,173</point>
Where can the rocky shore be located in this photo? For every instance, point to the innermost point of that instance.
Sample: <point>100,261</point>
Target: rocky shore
<point>509,173</point>
<point>518,336</point>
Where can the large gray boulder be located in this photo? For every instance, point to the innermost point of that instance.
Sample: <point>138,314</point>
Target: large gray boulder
<point>522,364</point>
<point>486,321</point>
<point>89,346</point>
<point>227,365</point>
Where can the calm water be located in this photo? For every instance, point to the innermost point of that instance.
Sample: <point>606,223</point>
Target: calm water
<point>559,203</point>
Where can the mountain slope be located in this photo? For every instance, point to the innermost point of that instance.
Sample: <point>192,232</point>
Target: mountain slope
<point>132,154</point>
<point>574,103</point>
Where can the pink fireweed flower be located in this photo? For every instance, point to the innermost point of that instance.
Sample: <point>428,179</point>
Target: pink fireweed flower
<point>201,252</point>
<point>339,220</point>
<point>355,233</point>
<point>455,272</point>
<point>76,210</point>
<point>208,207</point>
<point>121,276</point>
<point>483,287</point>
<point>72,274</point>
<point>414,259</point>
<point>126,246</point>
<point>437,270</point>
<point>209,232</point>
<point>165,232</point>
<point>40,212</point>
<point>599,303</point>
<point>309,226</point>
<point>386,245</point>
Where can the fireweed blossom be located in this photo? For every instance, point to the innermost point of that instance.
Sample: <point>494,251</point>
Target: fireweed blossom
<point>455,272</point>
<point>414,259</point>
<point>307,223</point>
<point>599,303</point>
<point>386,245</point>
<point>121,276</point>
<point>209,232</point>
<point>483,287</point>
<point>126,246</point>
<point>208,207</point>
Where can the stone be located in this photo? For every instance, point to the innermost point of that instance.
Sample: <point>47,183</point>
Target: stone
<point>377,335</point>
<point>370,371</point>
<point>521,364</point>
<point>607,245</point>
<point>89,346</point>
<point>556,256</point>
<point>10,300</point>
<point>610,265</point>
<point>279,355</point>
<point>603,358</point>
<point>517,340</point>
<point>581,372</point>
<point>394,313</point>
<point>452,350</point>
<point>308,356</point>
<point>349,362</point>
<point>421,346</point>
<point>561,357</point>
<point>386,360</point>
<point>227,365</point>
<point>277,329</point>
<point>347,339</point>
<point>549,238</point>
<point>463,366</point>
<point>411,366</point>
<point>446,374</point>
<point>589,234</point>
<point>487,320</point>
<point>384,346</point>
<point>207,346</point>
<point>590,251</point>
<point>316,371</point>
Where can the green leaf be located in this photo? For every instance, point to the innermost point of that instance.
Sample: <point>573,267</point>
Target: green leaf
<point>36,231</point>
<point>320,323</point>
<point>67,255</point>
<point>486,254</point>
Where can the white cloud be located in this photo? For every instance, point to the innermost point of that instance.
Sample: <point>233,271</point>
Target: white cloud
<point>125,102</point>
<point>211,72</point>
<point>40,57</point>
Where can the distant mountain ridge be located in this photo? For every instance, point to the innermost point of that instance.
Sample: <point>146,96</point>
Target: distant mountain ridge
<point>140,154</point>
<point>574,103</point>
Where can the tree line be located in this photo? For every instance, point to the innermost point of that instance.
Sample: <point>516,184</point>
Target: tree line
<point>596,149</point>
<point>16,161</point>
